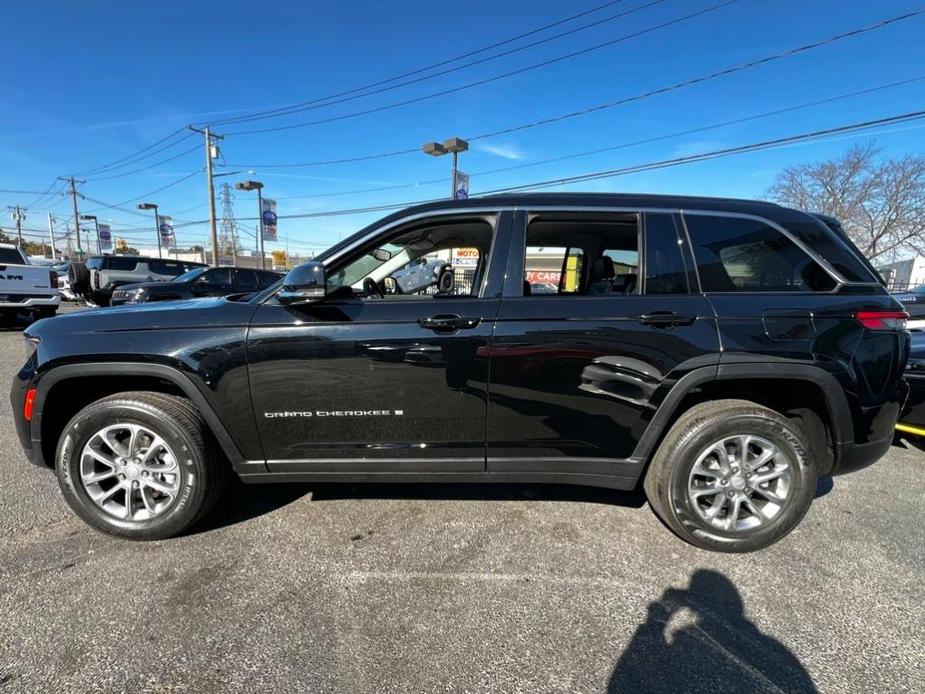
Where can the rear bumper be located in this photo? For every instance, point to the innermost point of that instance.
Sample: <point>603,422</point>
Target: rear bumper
<point>856,456</point>
<point>31,302</point>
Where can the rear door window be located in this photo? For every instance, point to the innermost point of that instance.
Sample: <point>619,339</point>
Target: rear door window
<point>586,254</point>
<point>666,272</point>
<point>739,254</point>
<point>245,279</point>
<point>216,276</point>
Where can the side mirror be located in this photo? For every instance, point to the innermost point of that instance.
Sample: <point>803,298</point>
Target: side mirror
<point>304,284</point>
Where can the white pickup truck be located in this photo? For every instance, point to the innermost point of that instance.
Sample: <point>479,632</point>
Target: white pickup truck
<point>26,287</point>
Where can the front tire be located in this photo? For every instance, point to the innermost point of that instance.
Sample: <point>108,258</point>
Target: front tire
<point>731,476</point>
<point>139,465</point>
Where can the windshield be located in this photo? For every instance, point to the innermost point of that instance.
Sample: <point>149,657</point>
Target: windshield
<point>190,275</point>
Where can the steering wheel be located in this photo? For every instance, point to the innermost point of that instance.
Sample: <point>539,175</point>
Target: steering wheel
<point>371,288</point>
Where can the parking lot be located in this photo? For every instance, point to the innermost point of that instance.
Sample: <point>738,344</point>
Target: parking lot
<point>414,588</point>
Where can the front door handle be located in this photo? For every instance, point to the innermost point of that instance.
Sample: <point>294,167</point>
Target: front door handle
<point>665,319</point>
<point>448,323</point>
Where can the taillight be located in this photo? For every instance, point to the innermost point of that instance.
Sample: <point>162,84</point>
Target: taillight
<point>53,279</point>
<point>882,320</point>
<point>27,406</point>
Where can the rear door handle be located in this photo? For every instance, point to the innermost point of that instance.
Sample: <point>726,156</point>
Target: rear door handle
<point>448,323</point>
<point>665,319</point>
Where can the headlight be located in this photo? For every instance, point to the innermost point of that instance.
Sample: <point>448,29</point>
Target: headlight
<point>916,365</point>
<point>129,294</point>
<point>31,343</point>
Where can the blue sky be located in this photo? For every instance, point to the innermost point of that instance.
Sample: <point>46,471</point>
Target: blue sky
<point>88,83</point>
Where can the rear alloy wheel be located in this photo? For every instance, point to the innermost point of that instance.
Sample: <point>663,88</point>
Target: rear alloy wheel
<point>740,482</point>
<point>731,475</point>
<point>139,465</point>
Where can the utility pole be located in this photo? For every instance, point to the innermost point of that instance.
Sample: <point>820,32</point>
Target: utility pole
<point>73,183</point>
<point>51,235</point>
<point>213,229</point>
<point>17,214</point>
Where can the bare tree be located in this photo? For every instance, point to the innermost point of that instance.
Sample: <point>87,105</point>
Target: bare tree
<point>880,202</point>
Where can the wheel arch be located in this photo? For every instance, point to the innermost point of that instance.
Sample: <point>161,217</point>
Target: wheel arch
<point>813,390</point>
<point>93,381</point>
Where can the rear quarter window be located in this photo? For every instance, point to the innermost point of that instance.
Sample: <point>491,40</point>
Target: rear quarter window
<point>120,262</point>
<point>10,256</point>
<point>843,259</point>
<point>738,254</point>
<point>172,268</point>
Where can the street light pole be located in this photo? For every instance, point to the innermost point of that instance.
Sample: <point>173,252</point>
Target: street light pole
<point>263,258</point>
<point>453,146</point>
<point>96,225</point>
<point>258,186</point>
<point>157,224</point>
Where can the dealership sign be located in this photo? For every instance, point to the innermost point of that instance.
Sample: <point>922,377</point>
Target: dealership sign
<point>167,236</point>
<point>542,277</point>
<point>462,186</point>
<point>268,219</point>
<point>465,257</point>
<point>105,237</point>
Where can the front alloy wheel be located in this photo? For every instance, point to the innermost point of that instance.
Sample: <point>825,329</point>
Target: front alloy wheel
<point>140,465</point>
<point>130,472</point>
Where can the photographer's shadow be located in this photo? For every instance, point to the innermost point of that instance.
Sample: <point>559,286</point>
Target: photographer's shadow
<point>699,639</point>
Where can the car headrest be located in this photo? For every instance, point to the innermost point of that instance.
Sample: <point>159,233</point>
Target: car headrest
<point>528,290</point>
<point>602,269</point>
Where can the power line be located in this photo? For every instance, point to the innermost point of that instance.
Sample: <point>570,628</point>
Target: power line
<point>34,203</point>
<point>494,78</point>
<point>113,164</point>
<point>331,101</point>
<point>622,145</point>
<point>417,71</point>
<point>773,57</point>
<point>149,166</point>
<point>124,161</point>
<point>118,205</point>
<point>715,154</point>
<point>661,164</point>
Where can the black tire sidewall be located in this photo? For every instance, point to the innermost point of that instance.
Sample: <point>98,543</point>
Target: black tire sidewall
<point>192,473</point>
<point>79,277</point>
<point>782,435</point>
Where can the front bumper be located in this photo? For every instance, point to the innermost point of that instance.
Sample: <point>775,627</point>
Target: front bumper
<point>22,382</point>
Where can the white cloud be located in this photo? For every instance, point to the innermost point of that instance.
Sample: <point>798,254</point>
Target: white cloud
<point>504,151</point>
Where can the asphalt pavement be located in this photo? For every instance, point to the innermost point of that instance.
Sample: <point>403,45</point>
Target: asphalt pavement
<point>458,588</point>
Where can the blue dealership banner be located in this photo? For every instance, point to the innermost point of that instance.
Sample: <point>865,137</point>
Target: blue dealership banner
<point>268,216</point>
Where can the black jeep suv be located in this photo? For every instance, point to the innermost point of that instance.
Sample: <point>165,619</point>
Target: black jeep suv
<point>722,353</point>
<point>198,282</point>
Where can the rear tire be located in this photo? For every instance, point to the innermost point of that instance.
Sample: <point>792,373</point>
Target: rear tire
<point>705,483</point>
<point>45,312</point>
<point>139,465</point>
